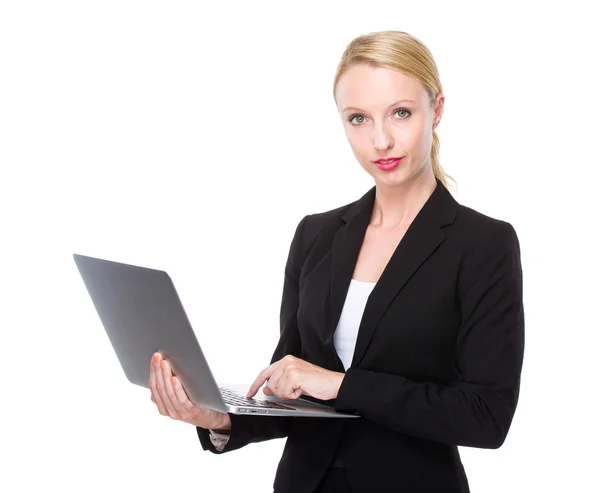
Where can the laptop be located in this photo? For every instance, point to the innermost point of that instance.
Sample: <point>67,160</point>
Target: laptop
<point>142,314</point>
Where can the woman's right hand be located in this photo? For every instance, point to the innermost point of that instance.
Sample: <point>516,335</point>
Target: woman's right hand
<point>171,400</point>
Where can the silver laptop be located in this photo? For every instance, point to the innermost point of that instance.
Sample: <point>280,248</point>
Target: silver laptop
<point>142,314</point>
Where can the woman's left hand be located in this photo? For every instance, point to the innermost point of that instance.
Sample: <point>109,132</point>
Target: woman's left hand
<point>290,377</point>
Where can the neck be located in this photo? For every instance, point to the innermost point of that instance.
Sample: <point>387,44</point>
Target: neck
<point>397,206</point>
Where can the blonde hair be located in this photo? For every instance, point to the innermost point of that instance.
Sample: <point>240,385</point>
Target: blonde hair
<point>400,51</point>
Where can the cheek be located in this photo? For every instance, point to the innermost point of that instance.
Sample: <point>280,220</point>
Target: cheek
<point>414,141</point>
<point>424,141</point>
<point>359,143</point>
<point>354,142</point>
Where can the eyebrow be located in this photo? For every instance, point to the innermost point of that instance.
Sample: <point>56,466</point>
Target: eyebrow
<point>393,104</point>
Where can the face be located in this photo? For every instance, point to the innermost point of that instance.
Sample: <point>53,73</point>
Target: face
<point>386,114</point>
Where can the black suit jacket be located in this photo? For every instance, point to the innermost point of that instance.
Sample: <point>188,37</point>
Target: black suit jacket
<point>438,356</point>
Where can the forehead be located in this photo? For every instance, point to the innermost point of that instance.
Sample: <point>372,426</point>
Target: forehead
<point>371,87</point>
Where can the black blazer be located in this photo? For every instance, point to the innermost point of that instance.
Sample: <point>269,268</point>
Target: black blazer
<point>438,356</point>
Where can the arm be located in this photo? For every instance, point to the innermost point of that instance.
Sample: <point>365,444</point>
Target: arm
<point>478,409</point>
<point>249,429</point>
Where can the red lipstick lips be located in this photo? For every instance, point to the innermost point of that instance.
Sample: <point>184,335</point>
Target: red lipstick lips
<point>388,164</point>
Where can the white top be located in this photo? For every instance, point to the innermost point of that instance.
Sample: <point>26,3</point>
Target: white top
<point>344,337</point>
<point>346,332</point>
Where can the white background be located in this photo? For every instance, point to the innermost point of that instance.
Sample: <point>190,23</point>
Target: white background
<point>193,138</point>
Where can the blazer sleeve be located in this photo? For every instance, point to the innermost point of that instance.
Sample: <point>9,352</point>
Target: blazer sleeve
<point>476,410</point>
<point>248,429</point>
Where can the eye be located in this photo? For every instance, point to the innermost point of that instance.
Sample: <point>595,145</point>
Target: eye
<point>404,110</point>
<point>356,116</point>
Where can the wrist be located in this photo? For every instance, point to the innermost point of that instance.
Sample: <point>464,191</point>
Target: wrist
<point>338,379</point>
<point>223,424</point>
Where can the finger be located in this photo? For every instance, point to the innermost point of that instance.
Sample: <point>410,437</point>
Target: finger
<point>274,381</point>
<point>182,397</point>
<point>162,391</point>
<point>289,385</point>
<point>171,400</point>
<point>157,377</point>
<point>168,379</point>
<point>155,397</point>
<point>262,377</point>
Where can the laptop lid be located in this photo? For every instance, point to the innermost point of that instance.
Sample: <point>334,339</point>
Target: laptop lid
<point>142,313</point>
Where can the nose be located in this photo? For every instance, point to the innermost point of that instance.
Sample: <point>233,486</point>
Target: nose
<point>382,138</point>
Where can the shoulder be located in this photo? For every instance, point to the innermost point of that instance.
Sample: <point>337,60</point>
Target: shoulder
<point>332,217</point>
<point>312,225</point>
<point>489,255</point>
<point>476,230</point>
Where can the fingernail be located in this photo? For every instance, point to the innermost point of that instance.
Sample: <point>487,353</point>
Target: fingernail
<point>162,364</point>
<point>173,380</point>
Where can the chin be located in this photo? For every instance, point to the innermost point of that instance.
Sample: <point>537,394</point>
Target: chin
<point>395,181</point>
<point>395,178</point>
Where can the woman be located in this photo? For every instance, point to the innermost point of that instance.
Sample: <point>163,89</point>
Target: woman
<point>403,306</point>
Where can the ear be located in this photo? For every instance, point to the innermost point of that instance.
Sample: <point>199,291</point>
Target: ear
<point>438,109</point>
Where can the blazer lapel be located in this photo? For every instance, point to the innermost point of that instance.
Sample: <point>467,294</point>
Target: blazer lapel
<point>346,246</point>
<point>421,239</point>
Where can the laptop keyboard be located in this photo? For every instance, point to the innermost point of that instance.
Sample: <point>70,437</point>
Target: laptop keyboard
<point>238,399</point>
